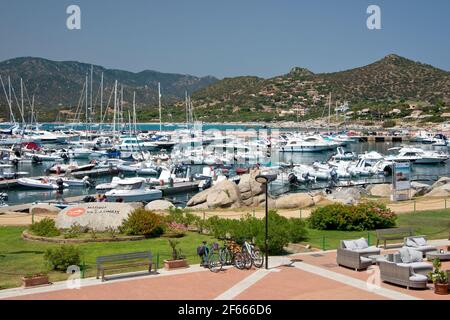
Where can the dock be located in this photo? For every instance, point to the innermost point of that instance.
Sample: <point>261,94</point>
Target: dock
<point>179,188</point>
<point>380,138</point>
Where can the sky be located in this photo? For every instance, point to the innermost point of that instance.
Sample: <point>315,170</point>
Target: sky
<point>229,37</point>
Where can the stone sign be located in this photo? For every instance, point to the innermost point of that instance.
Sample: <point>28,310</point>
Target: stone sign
<point>95,215</point>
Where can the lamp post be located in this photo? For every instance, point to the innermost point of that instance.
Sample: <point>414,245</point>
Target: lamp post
<point>265,179</point>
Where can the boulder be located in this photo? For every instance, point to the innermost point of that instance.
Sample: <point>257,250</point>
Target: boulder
<point>380,190</point>
<point>346,196</point>
<point>419,189</point>
<point>198,198</point>
<point>296,200</point>
<point>201,206</point>
<point>248,186</point>
<point>43,208</point>
<point>100,216</point>
<point>442,191</point>
<point>218,199</point>
<point>223,194</point>
<point>442,181</point>
<point>159,205</point>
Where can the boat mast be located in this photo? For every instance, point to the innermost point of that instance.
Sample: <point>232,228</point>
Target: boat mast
<point>91,105</point>
<point>134,111</point>
<point>21,97</point>
<point>186,100</point>
<point>115,108</point>
<point>159,103</point>
<point>329,113</point>
<point>87,102</point>
<point>11,114</point>
<point>101,103</point>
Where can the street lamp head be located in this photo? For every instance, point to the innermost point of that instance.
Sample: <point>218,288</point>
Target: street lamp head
<point>266,178</point>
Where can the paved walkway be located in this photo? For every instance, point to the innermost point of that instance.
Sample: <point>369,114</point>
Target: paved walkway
<point>309,276</point>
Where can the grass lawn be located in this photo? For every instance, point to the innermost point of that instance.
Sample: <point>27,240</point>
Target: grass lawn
<point>433,224</point>
<point>19,257</point>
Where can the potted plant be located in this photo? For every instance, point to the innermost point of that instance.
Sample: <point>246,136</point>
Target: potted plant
<point>178,260</point>
<point>439,278</point>
<point>33,280</point>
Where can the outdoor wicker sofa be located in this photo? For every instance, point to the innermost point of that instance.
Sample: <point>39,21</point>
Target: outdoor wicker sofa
<point>401,274</point>
<point>355,257</point>
<point>418,243</point>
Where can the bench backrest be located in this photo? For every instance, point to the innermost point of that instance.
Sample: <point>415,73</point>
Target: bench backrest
<point>394,231</point>
<point>124,256</point>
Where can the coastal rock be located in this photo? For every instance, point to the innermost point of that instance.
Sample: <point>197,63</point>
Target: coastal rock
<point>380,190</point>
<point>43,208</point>
<point>442,191</point>
<point>201,206</point>
<point>199,198</point>
<point>218,199</point>
<point>159,205</point>
<point>419,189</point>
<point>100,216</point>
<point>346,196</point>
<point>248,186</point>
<point>442,181</point>
<point>296,200</point>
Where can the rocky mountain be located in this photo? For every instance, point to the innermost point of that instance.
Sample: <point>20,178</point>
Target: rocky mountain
<point>57,83</point>
<point>301,93</point>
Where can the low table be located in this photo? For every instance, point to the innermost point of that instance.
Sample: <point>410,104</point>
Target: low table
<point>437,254</point>
<point>377,257</point>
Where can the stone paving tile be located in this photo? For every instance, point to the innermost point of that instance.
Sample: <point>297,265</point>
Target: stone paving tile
<point>328,262</point>
<point>189,286</point>
<point>294,284</point>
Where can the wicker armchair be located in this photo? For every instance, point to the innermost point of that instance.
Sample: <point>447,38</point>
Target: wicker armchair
<point>353,259</point>
<point>424,248</point>
<point>402,275</point>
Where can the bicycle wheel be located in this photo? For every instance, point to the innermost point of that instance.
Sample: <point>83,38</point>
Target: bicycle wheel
<point>248,260</point>
<point>214,262</point>
<point>239,261</point>
<point>225,256</point>
<point>258,258</point>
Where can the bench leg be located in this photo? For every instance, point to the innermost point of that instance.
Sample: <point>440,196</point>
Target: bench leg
<point>378,243</point>
<point>98,273</point>
<point>103,275</point>
<point>385,244</point>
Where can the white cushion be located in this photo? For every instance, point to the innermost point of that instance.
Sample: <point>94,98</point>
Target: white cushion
<point>415,256</point>
<point>421,266</point>
<point>418,277</point>
<point>405,256</point>
<point>361,243</point>
<point>350,244</point>
<point>365,260</point>
<point>420,241</point>
<point>411,243</point>
<point>369,250</point>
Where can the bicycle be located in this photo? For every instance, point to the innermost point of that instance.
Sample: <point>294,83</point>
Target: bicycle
<point>253,254</point>
<point>211,258</point>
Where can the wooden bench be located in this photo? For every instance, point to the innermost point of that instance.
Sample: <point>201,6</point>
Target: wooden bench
<point>393,234</point>
<point>124,260</point>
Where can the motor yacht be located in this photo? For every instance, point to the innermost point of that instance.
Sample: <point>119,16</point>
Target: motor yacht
<point>133,190</point>
<point>308,144</point>
<point>417,155</point>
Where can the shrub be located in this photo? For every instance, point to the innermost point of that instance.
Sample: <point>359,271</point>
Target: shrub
<point>182,216</point>
<point>142,222</point>
<point>75,230</point>
<point>364,216</point>
<point>45,228</point>
<point>63,257</point>
<point>176,229</point>
<point>281,230</point>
